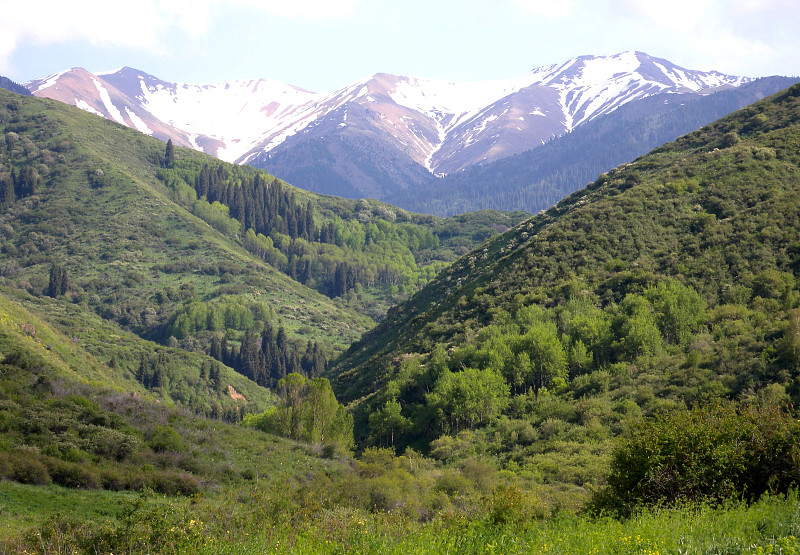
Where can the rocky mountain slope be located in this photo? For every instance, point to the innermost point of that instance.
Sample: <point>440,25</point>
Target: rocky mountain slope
<point>383,132</point>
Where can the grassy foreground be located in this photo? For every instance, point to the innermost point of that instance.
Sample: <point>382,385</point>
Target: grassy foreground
<point>256,521</point>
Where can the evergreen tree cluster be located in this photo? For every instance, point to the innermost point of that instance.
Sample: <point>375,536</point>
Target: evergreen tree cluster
<point>258,201</point>
<point>8,84</point>
<point>269,357</point>
<point>358,247</point>
<point>59,281</point>
<point>152,373</point>
<point>18,184</point>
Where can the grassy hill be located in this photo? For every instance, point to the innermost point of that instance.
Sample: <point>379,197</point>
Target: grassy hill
<point>668,282</point>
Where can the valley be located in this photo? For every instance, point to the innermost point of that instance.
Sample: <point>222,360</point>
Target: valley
<point>197,356</point>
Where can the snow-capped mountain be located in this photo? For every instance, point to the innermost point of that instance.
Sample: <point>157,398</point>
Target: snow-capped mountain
<point>439,126</point>
<point>224,119</point>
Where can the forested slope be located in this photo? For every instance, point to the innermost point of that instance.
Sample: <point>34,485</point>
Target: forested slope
<point>195,254</point>
<point>669,281</point>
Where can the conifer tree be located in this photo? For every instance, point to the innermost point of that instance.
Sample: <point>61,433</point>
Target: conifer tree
<point>169,155</point>
<point>59,281</point>
<point>7,196</point>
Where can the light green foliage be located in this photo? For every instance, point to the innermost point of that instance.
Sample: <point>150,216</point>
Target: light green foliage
<point>468,398</point>
<point>638,329</point>
<point>388,421</point>
<point>541,346</point>
<point>307,411</point>
<point>679,309</point>
<point>225,313</point>
<point>589,328</point>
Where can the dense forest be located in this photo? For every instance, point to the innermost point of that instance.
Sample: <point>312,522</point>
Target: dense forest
<point>369,249</point>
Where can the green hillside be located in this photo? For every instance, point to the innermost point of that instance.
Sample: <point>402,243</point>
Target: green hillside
<point>669,282</point>
<point>186,251</point>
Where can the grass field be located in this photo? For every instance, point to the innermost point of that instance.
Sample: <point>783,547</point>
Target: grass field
<point>258,520</point>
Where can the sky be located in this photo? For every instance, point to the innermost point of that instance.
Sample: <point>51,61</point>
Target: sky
<point>322,45</point>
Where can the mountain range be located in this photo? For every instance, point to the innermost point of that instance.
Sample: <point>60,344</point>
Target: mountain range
<point>384,134</point>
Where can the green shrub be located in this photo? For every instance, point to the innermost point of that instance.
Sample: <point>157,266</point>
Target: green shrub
<point>72,475</point>
<point>174,483</point>
<point>23,468</point>
<point>710,453</point>
<point>165,439</point>
<point>453,483</point>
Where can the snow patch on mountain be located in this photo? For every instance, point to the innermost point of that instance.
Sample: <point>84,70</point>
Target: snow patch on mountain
<point>109,106</point>
<point>137,122</point>
<point>45,83</point>
<point>83,105</point>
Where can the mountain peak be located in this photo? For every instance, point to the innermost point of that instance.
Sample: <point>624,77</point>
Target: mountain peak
<point>441,125</point>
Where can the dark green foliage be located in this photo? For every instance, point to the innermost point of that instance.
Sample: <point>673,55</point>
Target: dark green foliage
<point>165,439</point>
<point>708,453</point>
<point>270,356</point>
<point>169,155</point>
<point>8,84</point>
<point>59,281</point>
<point>255,199</point>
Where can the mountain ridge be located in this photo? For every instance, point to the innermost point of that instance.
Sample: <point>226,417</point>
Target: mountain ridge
<point>443,126</point>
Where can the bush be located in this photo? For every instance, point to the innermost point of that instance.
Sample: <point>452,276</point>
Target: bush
<point>174,483</point>
<point>710,453</point>
<point>165,439</point>
<point>23,468</point>
<point>72,475</point>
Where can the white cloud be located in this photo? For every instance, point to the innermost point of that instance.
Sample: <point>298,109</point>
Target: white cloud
<point>302,9</point>
<point>143,24</point>
<point>549,9</point>
<point>747,37</point>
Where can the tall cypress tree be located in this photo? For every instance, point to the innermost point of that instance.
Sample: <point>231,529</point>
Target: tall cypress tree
<point>169,155</point>
<point>59,281</point>
<point>7,196</point>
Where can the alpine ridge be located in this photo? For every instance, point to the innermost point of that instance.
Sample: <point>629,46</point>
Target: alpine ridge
<point>425,125</point>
